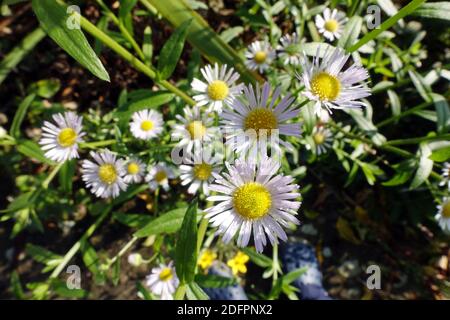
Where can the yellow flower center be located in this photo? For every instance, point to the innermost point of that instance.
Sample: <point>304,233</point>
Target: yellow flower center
<point>67,137</point>
<point>196,129</point>
<point>160,176</point>
<point>319,138</point>
<point>261,119</point>
<point>325,86</point>
<point>165,274</point>
<point>147,125</point>
<point>107,173</point>
<point>218,90</point>
<point>446,209</point>
<point>260,57</point>
<point>331,25</point>
<point>202,171</point>
<point>252,200</point>
<point>133,168</point>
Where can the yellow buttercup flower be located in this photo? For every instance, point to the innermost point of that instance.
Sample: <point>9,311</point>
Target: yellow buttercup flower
<point>206,259</point>
<point>238,263</point>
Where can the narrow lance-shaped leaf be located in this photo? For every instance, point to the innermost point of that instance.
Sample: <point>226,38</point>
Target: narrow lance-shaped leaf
<point>13,58</point>
<point>171,51</point>
<point>203,37</point>
<point>186,247</point>
<point>425,166</point>
<point>20,115</point>
<point>63,28</point>
<point>169,222</point>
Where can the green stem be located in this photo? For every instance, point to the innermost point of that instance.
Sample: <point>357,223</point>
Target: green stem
<point>408,9</point>
<point>418,140</point>
<point>398,151</point>
<point>149,6</point>
<point>275,262</point>
<point>122,29</point>
<point>71,253</point>
<point>96,144</point>
<point>121,252</point>
<point>52,175</point>
<point>135,62</point>
<point>403,114</point>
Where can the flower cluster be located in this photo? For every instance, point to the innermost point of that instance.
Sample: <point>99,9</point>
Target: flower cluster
<point>252,199</point>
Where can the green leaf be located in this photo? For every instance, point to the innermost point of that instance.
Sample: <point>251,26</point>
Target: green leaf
<point>203,37</point>
<point>55,20</point>
<point>146,100</point>
<point>32,150</point>
<point>442,112</point>
<point>351,32</point>
<point>60,288</point>
<point>42,255</point>
<point>16,286</point>
<point>14,131</point>
<point>404,171</point>
<point>132,220</point>
<point>125,16</point>
<point>425,166</point>
<point>116,272</point>
<point>422,88</point>
<point>25,200</point>
<point>406,10</point>
<point>434,10</point>
<point>294,275</point>
<point>13,58</point>
<point>258,258</point>
<point>440,155</point>
<point>186,246</point>
<point>169,222</point>
<point>194,292</point>
<point>395,103</point>
<point>229,34</point>
<point>171,51</point>
<point>91,260</point>
<point>214,281</point>
<point>370,171</point>
<point>66,174</point>
<point>45,88</point>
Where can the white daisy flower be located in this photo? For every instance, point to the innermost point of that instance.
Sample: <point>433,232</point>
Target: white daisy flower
<point>219,87</point>
<point>195,128</point>
<point>253,121</point>
<point>105,177</point>
<point>322,138</point>
<point>330,87</point>
<point>443,215</point>
<point>146,124</point>
<point>259,55</point>
<point>253,198</point>
<point>445,175</point>
<point>135,171</point>
<point>289,49</point>
<point>198,172</point>
<point>163,281</point>
<point>159,175</point>
<point>331,24</point>
<point>60,141</point>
